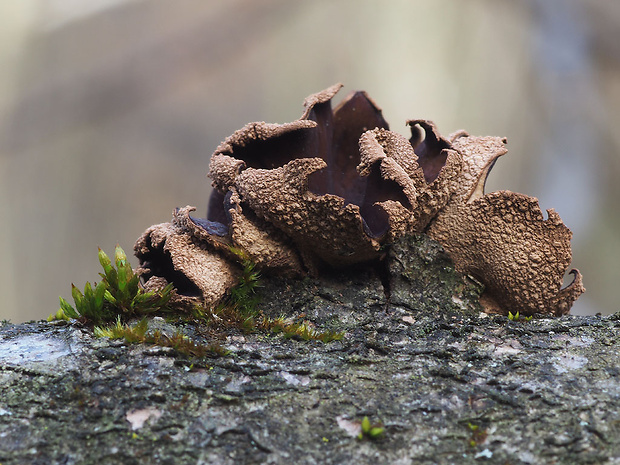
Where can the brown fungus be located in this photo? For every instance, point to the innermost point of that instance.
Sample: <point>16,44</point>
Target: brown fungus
<point>339,187</point>
<point>502,239</point>
<point>189,254</point>
<point>335,186</point>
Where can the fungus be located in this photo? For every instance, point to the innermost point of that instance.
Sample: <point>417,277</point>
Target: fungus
<point>502,239</point>
<point>338,183</point>
<point>188,253</point>
<point>335,186</point>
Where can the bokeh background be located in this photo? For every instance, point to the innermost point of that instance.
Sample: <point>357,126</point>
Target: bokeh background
<point>110,109</point>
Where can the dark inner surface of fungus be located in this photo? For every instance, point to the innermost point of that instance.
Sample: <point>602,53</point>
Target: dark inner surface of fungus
<point>429,147</point>
<point>217,228</point>
<point>278,151</point>
<point>215,210</point>
<point>335,139</point>
<point>379,190</point>
<point>159,262</point>
<point>338,133</point>
<point>218,216</point>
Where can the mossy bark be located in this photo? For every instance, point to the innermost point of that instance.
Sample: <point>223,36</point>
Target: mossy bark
<point>449,384</point>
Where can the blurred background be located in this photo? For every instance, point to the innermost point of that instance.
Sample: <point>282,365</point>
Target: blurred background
<point>110,109</point>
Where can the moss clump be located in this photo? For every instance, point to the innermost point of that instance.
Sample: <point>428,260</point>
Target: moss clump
<point>241,309</point>
<point>243,296</point>
<point>478,434</point>
<point>370,430</point>
<point>120,298</point>
<point>138,333</point>
<point>118,294</point>
<point>299,330</point>
<point>518,317</point>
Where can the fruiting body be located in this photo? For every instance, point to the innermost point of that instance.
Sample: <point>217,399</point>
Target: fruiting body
<point>334,187</point>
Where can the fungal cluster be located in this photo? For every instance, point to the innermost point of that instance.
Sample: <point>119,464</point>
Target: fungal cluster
<point>336,187</point>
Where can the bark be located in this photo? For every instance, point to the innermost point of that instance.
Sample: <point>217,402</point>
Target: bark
<point>448,383</point>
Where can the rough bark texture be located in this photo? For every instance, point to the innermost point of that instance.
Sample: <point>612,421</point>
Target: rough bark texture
<point>451,385</point>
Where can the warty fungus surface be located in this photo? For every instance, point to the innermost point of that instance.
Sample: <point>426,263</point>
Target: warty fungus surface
<point>336,187</point>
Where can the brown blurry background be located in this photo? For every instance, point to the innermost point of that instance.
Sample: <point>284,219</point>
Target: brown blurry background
<point>110,109</point>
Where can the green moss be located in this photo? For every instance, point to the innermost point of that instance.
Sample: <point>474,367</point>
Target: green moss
<point>118,294</point>
<point>371,430</point>
<point>243,296</point>
<point>120,298</point>
<point>518,317</point>
<point>241,309</point>
<point>138,333</point>
<point>478,434</point>
<point>301,330</point>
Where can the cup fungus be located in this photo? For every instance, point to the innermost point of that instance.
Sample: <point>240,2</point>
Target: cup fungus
<point>336,186</point>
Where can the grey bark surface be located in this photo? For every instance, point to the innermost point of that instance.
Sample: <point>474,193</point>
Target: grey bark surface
<point>449,384</point>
